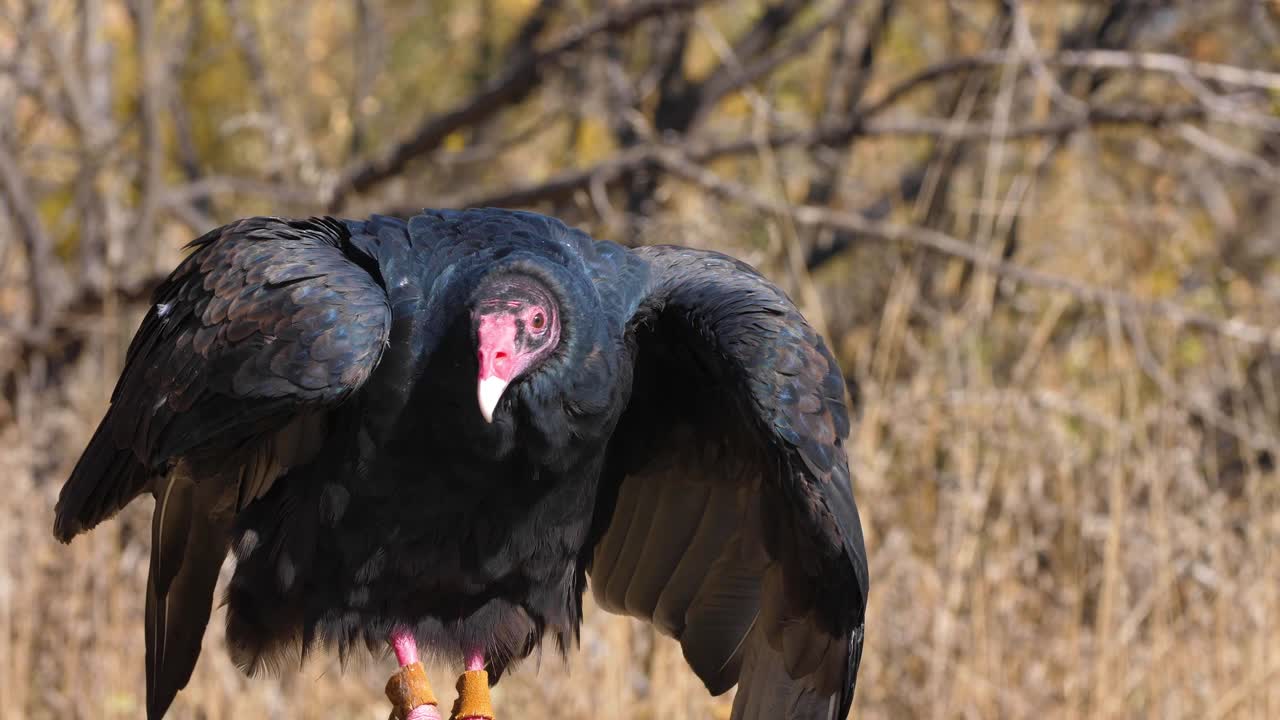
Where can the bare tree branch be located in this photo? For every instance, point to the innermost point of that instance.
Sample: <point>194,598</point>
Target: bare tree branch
<point>245,32</point>
<point>510,87</point>
<point>523,43</point>
<point>1161,63</point>
<point>852,63</point>
<point>683,102</point>
<point>739,71</point>
<point>94,60</point>
<point>364,55</point>
<point>561,186</point>
<point>1234,328</point>
<point>152,64</point>
<point>33,236</point>
<point>1169,64</point>
<point>1228,154</point>
<point>521,46</point>
<point>1148,116</point>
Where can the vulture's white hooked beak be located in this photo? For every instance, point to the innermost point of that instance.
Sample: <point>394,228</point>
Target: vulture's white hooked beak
<point>490,392</point>
<point>500,359</point>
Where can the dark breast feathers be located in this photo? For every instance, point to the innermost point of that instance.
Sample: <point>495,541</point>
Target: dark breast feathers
<point>302,393</point>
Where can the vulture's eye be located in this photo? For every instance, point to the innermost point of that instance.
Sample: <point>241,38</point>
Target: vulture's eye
<point>539,322</point>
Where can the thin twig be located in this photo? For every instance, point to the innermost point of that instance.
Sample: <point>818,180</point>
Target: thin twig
<point>1227,153</point>
<point>1163,63</point>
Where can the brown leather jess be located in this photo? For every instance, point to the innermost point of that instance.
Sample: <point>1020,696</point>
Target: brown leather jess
<point>473,696</point>
<point>409,689</point>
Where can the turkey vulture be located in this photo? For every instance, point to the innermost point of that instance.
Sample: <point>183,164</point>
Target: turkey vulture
<point>436,430</point>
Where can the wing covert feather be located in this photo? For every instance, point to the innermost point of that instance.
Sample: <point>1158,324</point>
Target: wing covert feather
<point>267,318</point>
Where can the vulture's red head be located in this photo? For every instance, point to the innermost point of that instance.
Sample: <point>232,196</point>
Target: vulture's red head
<point>517,325</point>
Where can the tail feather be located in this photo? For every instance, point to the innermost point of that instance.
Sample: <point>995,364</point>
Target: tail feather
<point>188,545</point>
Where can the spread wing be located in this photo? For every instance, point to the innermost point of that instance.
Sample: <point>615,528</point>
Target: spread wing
<point>269,324</point>
<point>726,516</point>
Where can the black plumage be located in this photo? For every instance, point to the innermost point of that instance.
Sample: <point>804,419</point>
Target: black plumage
<point>302,394</point>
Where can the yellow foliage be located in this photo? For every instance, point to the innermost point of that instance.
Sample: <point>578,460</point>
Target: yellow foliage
<point>594,139</point>
<point>455,141</point>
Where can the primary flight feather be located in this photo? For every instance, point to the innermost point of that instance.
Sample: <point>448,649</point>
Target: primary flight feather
<point>442,430</point>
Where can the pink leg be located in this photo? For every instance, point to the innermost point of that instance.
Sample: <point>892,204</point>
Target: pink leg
<point>475,659</point>
<point>405,646</point>
<point>406,649</point>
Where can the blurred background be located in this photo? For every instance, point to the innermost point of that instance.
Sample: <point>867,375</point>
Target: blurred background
<point>1041,235</point>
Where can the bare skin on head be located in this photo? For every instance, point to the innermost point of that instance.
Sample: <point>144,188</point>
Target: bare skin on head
<point>517,326</point>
